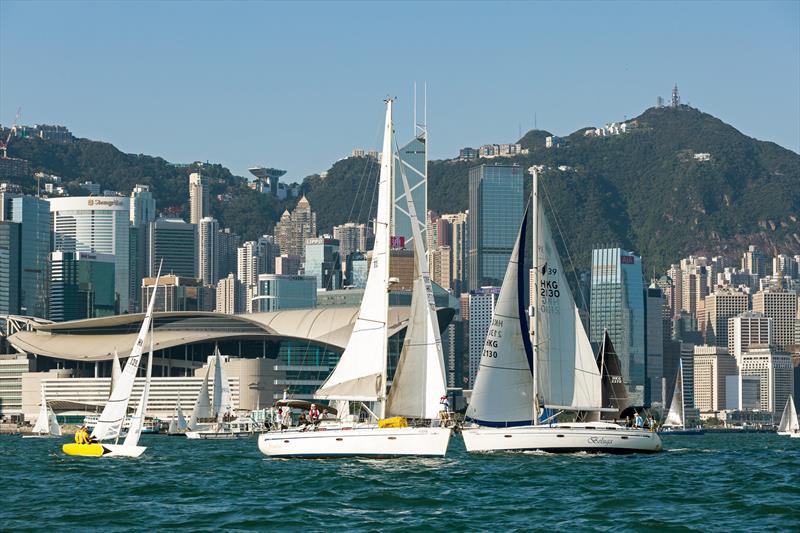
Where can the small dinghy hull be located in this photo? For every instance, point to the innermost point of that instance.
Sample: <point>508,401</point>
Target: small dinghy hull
<point>102,450</point>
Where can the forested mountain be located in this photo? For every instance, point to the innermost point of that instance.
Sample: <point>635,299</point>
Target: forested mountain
<point>650,189</point>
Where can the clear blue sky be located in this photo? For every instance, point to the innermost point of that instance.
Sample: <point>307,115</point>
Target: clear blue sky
<point>298,85</point>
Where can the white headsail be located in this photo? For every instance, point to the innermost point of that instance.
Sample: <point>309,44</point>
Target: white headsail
<point>675,416</point>
<point>116,372</point>
<point>137,421</point>
<point>110,422</point>
<point>55,429</point>
<point>222,389</point>
<point>789,422</point>
<point>567,372</point>
<point>42,424</point>
<point>360,374</point>
<point>503,391</point>
<point>419,381</point>
<point>202,407</point>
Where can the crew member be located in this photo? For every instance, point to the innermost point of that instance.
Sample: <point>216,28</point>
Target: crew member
<point>313,414</point>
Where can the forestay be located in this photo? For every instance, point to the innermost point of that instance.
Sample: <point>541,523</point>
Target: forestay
<point>568,376</point>
<point>419,381</point>
<point>110,422</point>
<point>503,391</point>
<point>360,373</point>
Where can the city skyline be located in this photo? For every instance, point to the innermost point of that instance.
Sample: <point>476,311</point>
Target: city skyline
<point>252,82</point>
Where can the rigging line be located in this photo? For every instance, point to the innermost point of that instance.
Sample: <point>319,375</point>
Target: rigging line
<point>566,247</point>
<point>370,164</point>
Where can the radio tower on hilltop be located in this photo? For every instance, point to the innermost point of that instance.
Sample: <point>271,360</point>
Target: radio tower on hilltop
<point>676,99</point>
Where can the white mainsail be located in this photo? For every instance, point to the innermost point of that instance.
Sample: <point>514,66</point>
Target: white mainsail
<point>222,390</point>
<point>110,422</point>
<point>178,422</point>
<point>419,381</point>
<point>116,372</point>
<point>360,374</point>
<point>202,407</point>
<point>567,372</point>
<point>503,391</point>
<point>137,421</point>
<point>47,422</point>
<point>789,422</point>
<point>675,417</point>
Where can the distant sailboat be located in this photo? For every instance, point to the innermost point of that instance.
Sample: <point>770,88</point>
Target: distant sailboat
<point>202,406</point>
<point>527,373</point>
<point>675,421</point>
<point>224,427</point>
<point>47,424</point>
<point>178,424</point>
<point>789,424</point>
<point>109,425</point>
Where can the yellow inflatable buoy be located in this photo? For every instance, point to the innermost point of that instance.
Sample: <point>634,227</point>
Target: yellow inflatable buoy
<point>84,450</point>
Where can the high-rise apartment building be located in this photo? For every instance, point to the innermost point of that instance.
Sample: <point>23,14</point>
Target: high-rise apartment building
<point>208,257</point>
<point>352,237</point>
<point>676,276</point>
<point>712,366</point>
<point>287,265</point>
<point>230,295</point>
<point>175,242</point>
<point>179,294</point>
<point>694,283</point>
<point>10,267</point>
<point>440,267</point>
<point>618,306</point>
<point>496,206</point>
<point>722,305</point>
<point>324,263</point>
<point>785,265</point>
<point>143,212</point>
<point>774,370</point>
<point>481,304</point>
<point>96,225</point>
<point>748,329</point>
<point>199,198</point>
<point>227,243</point>
<point>459,244</point>
<point>81,286</point>
<point>294,228</point>
<point>754,261</point>
<point>781,306</point>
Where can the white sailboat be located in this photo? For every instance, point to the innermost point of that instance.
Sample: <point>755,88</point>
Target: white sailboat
<point>178,424</point>
<point>109,425</point>
<point>361,374</point>
<point>224,426</point>
<point>554,368</point>
<point>789,424</point>
<point>46,425</point>
<point>675,421</point>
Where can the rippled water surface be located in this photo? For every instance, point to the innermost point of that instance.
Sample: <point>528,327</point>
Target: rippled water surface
<point>719,482</point>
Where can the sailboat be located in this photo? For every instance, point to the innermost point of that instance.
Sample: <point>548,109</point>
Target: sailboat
<point>178,424</point>
<point>224,426</point>
<point>46,425</point>
<point>675,422</point>
<point>789,424</point>
<point>526,374</point>
<point>109,426</point>
<point>361,374</point>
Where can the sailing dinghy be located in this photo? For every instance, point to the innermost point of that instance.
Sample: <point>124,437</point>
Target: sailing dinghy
<point>46,425</point>
<point>789,424</point>
<point>675,421</point>
<point>525,372</point>
<point>361,374</point>
<point>109,426</point>
<point>178,424</point>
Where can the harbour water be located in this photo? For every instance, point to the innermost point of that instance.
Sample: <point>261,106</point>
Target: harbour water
<point>713,482</point>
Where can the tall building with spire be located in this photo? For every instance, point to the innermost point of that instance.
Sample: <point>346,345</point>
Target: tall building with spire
<point>294,228</point>
<point>199,202</point>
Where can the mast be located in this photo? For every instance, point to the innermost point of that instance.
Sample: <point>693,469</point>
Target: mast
<point>387,157</point>
<point>535,292</point>
<point>680,383</point>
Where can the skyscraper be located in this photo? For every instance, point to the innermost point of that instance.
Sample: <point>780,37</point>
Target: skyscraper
<point>230,295</point>
<point>496,206</point>
<point>285,292</point>
<point>617,305</point>
<point>441,266</point>
<point>459,244</point>
<point>143,211</point>
<point>746,329</point>
<point>228,242</point>
<point>199,202</point>
<point>97,225</point>
<point>411,161</point>
<point>324,263</point>
<point>774,370</point>
<point>722,305</point>
<point>781,306</point>
<point>712,366</point>
<point>654,333</point>
<point>10,267</point>
<point>754,261</point>
<point>174,241</point>
<point>81,286</point>
<point>480,308</point>
<point>352,237</point>
<point>294,228</point>
<point>208,256</point>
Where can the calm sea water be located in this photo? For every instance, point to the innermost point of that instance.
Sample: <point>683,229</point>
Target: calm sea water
<point>715,482</point>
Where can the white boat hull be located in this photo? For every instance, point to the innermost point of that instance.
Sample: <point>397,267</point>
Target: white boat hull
<point>41,436</point>
<point>794,436</point>
<point>218,435</point>
<point>562,438</point>
<point>357,442</point>
<point>120,450</point>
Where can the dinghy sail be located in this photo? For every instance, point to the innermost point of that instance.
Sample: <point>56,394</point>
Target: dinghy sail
<point>675,417</point>
<point>47,424</point>
<point>789,424</point>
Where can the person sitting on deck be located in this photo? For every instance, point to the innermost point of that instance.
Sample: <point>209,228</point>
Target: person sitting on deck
<point>313,414</point>
<point>302,422</point>
<point>638,422</point>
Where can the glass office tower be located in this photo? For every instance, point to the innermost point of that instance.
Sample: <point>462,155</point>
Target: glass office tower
<point>33,214</point>
<point>496,205</point>
<point>617,305</point>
